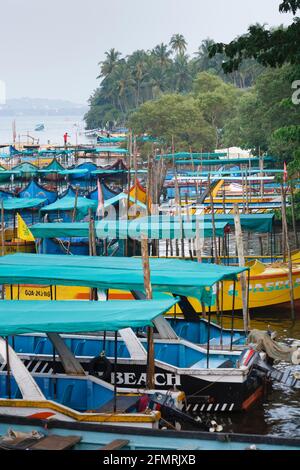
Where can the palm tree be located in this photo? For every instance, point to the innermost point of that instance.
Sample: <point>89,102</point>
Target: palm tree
<point>162,54</point>
<point>178,44</point>
<point>181,74</point>
<point>108,65</point>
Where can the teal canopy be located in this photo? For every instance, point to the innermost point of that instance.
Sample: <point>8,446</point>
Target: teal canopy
<point>17,317</point>
<point>68,203</point>
<point>261,223</point>
<point>111,140</point>
<point>223,161</point>
<point>123,229</point>
<point>16,203</point>
<point>186,278</point>
<point>53,167</point>
<point>74,171</point>
<point>175,156</point>
<point>26,168</point>
<point>108,172</point>
<point>110,150</point>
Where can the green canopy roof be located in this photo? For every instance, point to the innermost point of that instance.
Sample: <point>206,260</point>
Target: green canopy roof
<point>53,167</point>
<point>16,203</point>
<point>128,228</point>
<point>175,156</point>
<point>26,168</point>
<point>17,317</point>
<point>110,150</point>
<point>223,161</point>
<point>74,171</point>
<point>68,203</point>
<point>107,172</point>
<point>261,223</point>
<point>179,277</point>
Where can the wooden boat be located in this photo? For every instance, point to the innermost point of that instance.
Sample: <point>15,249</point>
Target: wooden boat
<point>269,285</point>
<point>229,378</point>
<point>73,396</point>
<point>85,436</point>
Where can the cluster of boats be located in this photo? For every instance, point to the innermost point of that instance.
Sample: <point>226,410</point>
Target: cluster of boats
<point>84,351</point>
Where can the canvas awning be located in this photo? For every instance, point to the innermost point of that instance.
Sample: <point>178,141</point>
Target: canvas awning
<point>18,317</point>
<point>179,277</point>
<point>260,223</point>
<point>68,204</point>
<point>13,204</point>
<point>129,228</point>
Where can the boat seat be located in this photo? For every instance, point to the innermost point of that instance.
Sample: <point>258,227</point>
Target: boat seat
<point>182,329</point>
<point>66,398</point>
<point>226,340</point>
<point>17,394</point>
<point>121,350</point>
<point>79,347</point>
<point>115,445</point>
<point>161,352</point>
<point>214,363</point>
<point>56,443</point>
<point>124,405</point>
<point>39,346</point>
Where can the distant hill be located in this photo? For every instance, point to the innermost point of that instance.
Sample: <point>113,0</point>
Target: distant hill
<point>41,106</point>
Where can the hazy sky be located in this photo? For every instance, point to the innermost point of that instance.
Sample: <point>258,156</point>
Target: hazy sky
<point>51,48</point>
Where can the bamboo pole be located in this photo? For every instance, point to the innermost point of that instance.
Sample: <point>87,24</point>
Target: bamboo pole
<point>240,250</point>
<point>2,229</point>
<point>293,216</point>
<point>213,223</point>
<point>290,264</point>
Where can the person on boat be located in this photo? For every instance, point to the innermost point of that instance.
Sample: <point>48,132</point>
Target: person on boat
<point>66,136</point>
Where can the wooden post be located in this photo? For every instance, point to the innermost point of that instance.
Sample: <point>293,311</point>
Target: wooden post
<point>115,371</point>
<point>73,218</point>
<point>148,290</point>
<point>293,216</point>
<point>290,264</point>
<point>213,223</point>
<point>240,250</point>
<point>2,229</point>
<point>8,369</point>
<point>128,187</point>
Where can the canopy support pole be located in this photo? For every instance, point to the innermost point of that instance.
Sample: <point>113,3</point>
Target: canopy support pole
<point>208,336</point>
<point>115,371</point>
<point>232,315</point>
<point>2,229</point>
<point>8,369</point>
<point>240,250</point>
<point>149,296</point>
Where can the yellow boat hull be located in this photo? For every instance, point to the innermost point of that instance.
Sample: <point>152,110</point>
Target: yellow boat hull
<point>269,285</point>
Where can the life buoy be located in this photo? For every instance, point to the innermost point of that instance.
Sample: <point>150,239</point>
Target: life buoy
<point>101,367</point>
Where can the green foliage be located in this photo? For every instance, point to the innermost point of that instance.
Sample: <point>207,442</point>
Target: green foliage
<point>263,114</point>
<point>128,82</point>
<point>269,47</point>
<point>175,119</point>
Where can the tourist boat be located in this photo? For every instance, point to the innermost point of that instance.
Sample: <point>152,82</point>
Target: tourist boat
<point>85,436</point>
<point>212,381</point>
<point>73,395</point>
<point>39,127</point>
<point>268,285</point>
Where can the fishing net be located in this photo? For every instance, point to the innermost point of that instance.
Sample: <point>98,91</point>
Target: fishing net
<point>262,341</point>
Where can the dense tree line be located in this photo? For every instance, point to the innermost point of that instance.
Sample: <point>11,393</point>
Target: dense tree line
<point>226,94</point>
<point>128,82</point>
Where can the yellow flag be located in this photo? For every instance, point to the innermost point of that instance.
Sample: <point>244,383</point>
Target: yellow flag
<point>23,231</point>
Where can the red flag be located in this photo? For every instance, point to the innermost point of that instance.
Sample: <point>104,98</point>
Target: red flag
<point>100,208</point>
<point>285,175</point>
